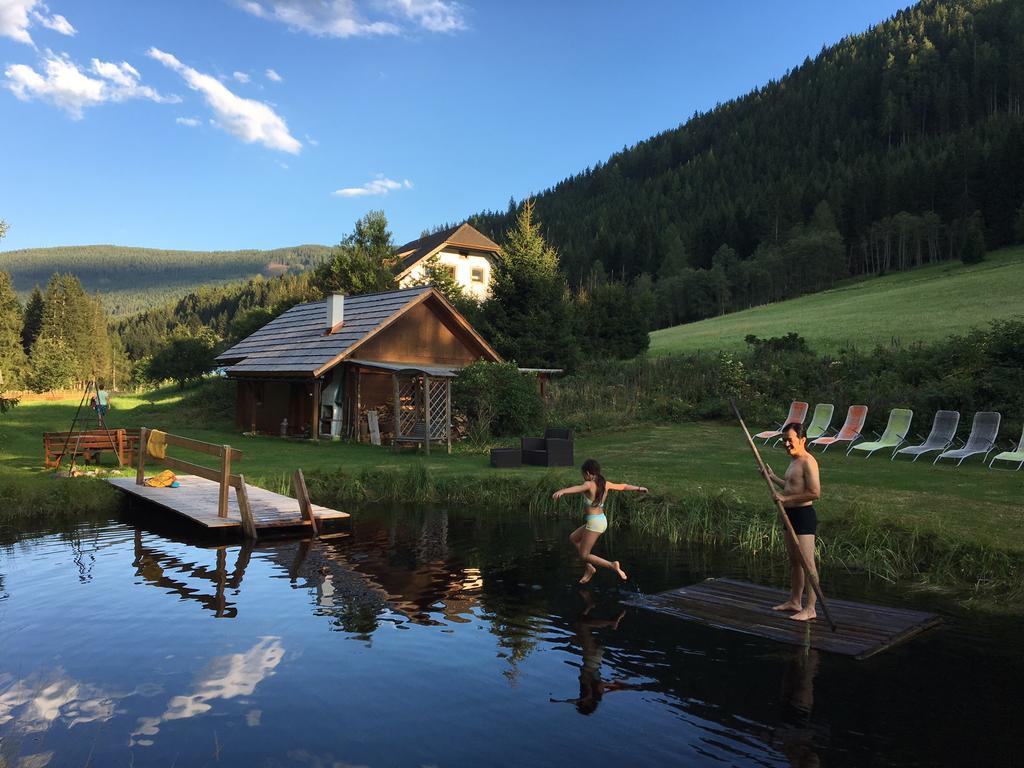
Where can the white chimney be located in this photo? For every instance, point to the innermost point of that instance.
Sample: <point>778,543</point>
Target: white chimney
<point>335,310</point>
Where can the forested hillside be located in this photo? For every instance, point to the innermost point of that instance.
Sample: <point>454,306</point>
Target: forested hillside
<point>896,147</point>
<point>130,279</point>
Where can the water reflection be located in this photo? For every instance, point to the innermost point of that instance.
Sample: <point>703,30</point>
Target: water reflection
<point>592,686</point>
<point>795,735</point>
<point>154,566</point>
<point>225,677</point>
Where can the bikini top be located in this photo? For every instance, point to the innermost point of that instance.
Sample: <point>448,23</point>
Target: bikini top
<point>593,504</point>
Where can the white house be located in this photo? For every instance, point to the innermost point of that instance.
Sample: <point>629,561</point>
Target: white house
<point>465,252</point>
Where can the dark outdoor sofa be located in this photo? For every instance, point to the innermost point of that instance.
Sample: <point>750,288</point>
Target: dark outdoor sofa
<point>552,450</point>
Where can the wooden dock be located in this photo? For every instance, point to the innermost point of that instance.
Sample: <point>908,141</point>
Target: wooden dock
<point>197,500</point>
<point>862,630</point>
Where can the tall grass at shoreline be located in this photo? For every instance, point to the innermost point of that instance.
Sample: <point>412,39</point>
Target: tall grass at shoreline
<point>859,542</point>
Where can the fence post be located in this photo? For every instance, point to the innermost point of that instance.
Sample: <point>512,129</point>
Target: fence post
<point>305,505</point>
<point>248,524</point>
<point>140,474</point>
<point>225,481</point>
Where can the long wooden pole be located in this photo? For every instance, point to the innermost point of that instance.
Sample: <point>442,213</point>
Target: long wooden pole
<point>808,571</point>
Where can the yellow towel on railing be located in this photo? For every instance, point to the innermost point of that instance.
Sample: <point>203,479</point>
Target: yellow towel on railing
<point>161,480</point>
<point>156,445</point>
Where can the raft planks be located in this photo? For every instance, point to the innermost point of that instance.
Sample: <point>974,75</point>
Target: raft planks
<point>197,500</point>
<point>862,630</point>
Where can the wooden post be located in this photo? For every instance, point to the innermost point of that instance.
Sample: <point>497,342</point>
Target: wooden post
<point>359,405</point>
<point>426,413</point>
<point>314,430</point>
<point>248,524</point>
<point>220,578</point>
<point>140,474</point>
<point>225,480</point>
<point>305,506</point>
<point>398,412</point>
<point>448,413</point>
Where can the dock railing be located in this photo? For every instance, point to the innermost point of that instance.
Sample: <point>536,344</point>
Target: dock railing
<point>221,475</point>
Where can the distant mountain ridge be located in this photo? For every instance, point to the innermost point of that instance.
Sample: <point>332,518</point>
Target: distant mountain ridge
<point>130,279</point>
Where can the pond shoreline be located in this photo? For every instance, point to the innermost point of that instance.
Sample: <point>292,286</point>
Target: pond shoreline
<point>858,541</point>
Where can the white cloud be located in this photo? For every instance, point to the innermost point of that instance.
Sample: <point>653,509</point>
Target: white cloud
<point>16,16</point>
<point>323,18</point>
<point>379,186</point>
<point>241,77</point>
<point>312,142</point>
<point>251,121</point>
<point>64,85</point>
<point>190,122</point>
<point>272,75</point>
<point>432,15</point>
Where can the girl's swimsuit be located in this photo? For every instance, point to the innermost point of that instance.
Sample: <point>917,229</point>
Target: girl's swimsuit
<point>595,521</point>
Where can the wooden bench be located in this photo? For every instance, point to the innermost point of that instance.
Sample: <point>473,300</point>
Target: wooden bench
<point>88,444</point>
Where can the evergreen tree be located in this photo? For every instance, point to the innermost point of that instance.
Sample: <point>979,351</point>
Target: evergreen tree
<point>527,316</point>
<point>33,320</point>
<point>973,250</point>
<point>12,356</point>
<point>75,324</point>
<point>53,365</point>
<point>362,262</point>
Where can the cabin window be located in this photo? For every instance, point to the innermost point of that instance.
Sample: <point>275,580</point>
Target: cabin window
<point>450,269</point>
<point>478,274</point>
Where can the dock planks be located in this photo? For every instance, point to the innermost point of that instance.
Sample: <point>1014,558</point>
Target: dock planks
<point>862,630</point>
<point>197,499</point>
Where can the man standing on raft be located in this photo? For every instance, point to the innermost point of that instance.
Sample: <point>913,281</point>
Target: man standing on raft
<point>800,488</point>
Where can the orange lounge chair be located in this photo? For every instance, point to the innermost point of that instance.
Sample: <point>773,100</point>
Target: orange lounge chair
<point>797,413</point>
<point>856,415</point>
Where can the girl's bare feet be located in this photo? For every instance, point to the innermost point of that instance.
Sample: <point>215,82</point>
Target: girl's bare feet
<point>588,574</point>
<point>805,615</point>
<point>618,570</point>
<point>789,605</point>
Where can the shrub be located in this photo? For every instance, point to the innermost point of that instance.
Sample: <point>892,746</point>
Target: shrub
<point>496,397</point>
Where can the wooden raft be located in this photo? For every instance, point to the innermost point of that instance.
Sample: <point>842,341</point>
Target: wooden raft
<point>862,630</point>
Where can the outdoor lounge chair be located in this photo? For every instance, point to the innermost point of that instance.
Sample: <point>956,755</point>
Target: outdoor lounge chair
<point>1017,455</point>
<point>895,434</point>
<point>552,450</point>
<point>984,431</point>
<point>939,439</point>
<point>797,413</point>
<point>856,415</point>
<point>821,419</point>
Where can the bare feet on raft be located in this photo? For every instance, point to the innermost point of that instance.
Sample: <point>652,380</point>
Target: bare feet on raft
<point>618,570</point>
<point>789,605</point>
<point>588,574</point>
<point>805,615</point>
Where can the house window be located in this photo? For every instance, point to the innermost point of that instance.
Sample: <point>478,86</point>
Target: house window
<point>450,269</point>
<point>478,274</point>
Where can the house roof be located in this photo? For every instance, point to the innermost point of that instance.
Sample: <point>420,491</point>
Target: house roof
<point>462,236</point>
<point>295,343</point>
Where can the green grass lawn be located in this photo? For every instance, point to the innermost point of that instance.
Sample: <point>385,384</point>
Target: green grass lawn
<point>970,504</point>
<point>924,304</point>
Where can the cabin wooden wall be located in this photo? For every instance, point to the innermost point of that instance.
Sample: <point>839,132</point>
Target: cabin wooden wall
<point>264,404</point>
<point>421,336</point>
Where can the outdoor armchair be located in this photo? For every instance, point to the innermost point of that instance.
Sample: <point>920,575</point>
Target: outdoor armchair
<point>856,415</point>
<point>797,413</point>
<point>1016,455</point>
<point>984,431</point>
<point>939,439</point>
<point>552,450</point>
<point>895,434</point>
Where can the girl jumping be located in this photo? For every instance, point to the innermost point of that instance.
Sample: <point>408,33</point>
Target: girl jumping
<point>595,492</point>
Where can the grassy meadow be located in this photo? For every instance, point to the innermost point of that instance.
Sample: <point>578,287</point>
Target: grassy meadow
<point>924,304</point>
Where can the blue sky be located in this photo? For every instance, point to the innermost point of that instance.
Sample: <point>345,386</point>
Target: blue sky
<point>223,124</point>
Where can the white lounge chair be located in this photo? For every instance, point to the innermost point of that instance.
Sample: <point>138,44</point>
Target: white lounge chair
<point>984,431</point>
<point>1017,455</point>
<point>939,439</point>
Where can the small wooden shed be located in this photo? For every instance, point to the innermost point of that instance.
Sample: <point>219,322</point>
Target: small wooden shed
<point>320,368</point>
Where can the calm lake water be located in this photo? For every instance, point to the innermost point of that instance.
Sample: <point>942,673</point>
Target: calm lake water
<point>452,638</point>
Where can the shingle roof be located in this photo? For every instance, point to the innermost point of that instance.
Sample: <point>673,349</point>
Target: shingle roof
<point>294,343</point>
<point>463,235</point>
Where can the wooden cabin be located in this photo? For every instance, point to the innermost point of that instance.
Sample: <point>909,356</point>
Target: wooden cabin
<point>466,253</point>
<point>321,369</point>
